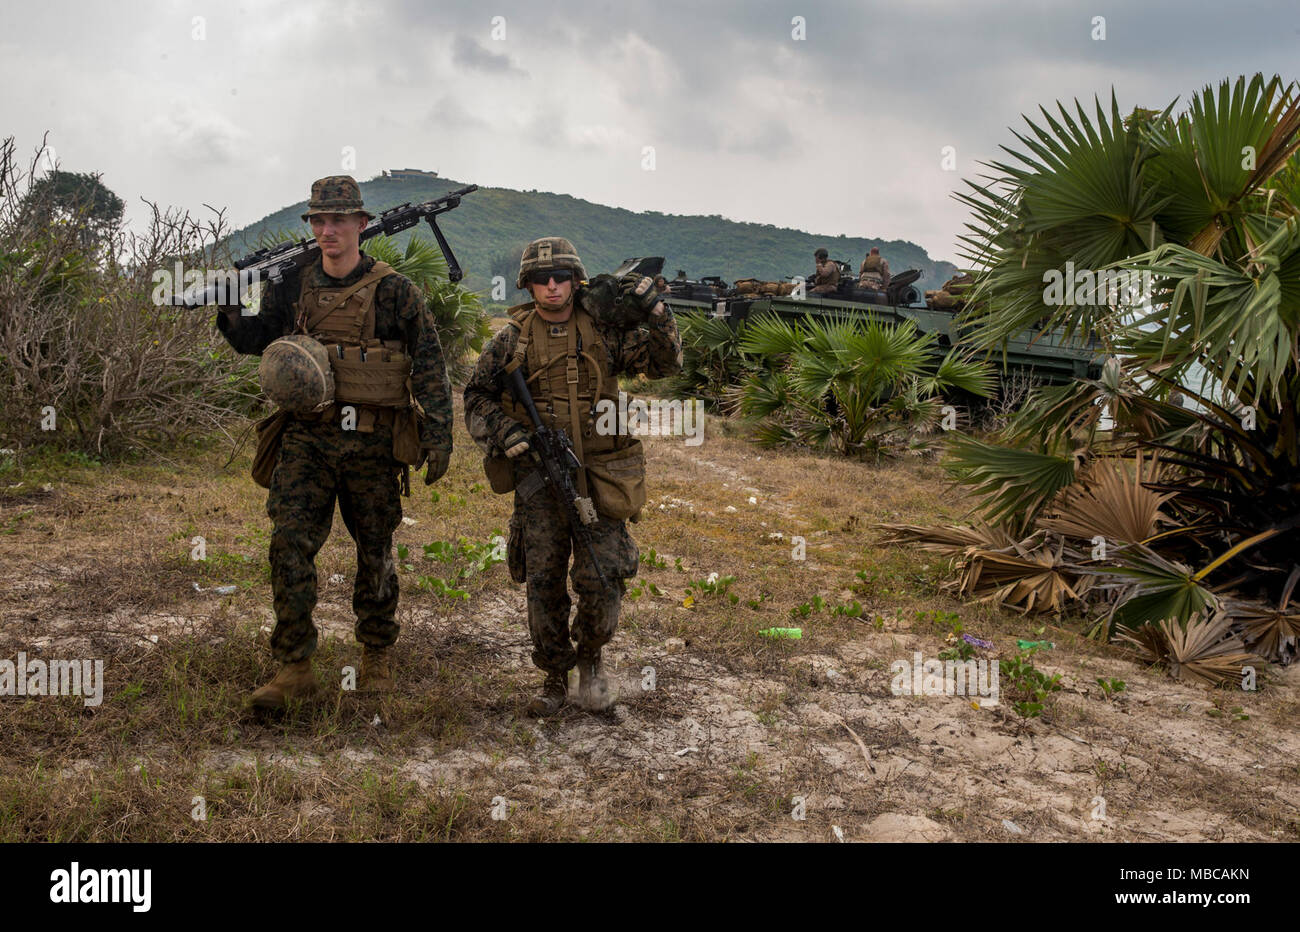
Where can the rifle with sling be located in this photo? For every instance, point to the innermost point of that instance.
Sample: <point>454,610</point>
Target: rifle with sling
<point>553,451</point>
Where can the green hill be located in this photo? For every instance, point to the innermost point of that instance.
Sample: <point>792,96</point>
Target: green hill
<point>492,225</point>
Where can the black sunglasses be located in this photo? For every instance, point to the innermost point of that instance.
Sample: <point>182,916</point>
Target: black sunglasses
<point>543,277</point>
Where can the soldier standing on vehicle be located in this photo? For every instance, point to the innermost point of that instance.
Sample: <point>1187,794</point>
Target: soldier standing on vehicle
<point>356,446</point>
<point>570,350</point>
<point>827,280</point>
<point>874,272</point>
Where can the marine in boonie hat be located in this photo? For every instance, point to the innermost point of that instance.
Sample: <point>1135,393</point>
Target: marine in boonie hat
<point>337,194</point>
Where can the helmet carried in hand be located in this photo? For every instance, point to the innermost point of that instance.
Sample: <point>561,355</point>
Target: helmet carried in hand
<point>295,374</point>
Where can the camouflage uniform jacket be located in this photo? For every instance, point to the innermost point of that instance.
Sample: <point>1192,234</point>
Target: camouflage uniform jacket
<point>401,313</point>
<point>828,276</point>
<point>654,349</point>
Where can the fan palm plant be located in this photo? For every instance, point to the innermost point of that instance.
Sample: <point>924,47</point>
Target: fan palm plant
<point>1205,206</point>
<point>463,327</point>
<point>711,357</point>
<point>1191,201</point>
<point>846,386</point>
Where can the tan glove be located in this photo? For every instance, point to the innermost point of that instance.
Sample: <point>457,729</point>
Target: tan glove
<point>516,442</point>
<point>640,296</point>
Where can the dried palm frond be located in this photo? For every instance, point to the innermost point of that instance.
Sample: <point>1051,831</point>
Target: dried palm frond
<point>1273,633</point>
<point>1203,650</point>
<point>1027,580</point>
<point>1110,500</point>
<point>1027,575</point>
<point>954,539</point>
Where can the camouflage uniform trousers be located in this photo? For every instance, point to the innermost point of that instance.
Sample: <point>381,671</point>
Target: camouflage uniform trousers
<point>319,461</point>
<point>542,527</point>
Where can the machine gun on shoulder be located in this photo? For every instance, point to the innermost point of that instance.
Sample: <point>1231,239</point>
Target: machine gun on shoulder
<point>275,262</point>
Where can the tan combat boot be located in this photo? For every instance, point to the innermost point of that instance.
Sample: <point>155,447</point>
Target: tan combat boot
<point>376,671</point>
<point>551,698</point>
<point>293,681</point>
<point>594,693</point>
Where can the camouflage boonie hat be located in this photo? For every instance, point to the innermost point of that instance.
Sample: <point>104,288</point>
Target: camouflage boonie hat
<point>337,194</point>
<point>547,253</point>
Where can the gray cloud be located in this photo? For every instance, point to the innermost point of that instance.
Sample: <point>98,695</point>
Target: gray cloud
<point>452,116</point>
<point>467,53</point>
<point>196,137</point>
<point>736,109</point>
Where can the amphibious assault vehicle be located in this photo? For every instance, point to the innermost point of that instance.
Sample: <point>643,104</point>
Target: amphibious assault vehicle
<point>1049,357</point>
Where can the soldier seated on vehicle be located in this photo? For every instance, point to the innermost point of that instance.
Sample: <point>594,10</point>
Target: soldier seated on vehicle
<point>827,280</point>
<point>874,272</point>
<point>662,286</point>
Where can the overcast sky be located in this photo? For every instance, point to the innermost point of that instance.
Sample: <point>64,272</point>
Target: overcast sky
<point>841,132</point>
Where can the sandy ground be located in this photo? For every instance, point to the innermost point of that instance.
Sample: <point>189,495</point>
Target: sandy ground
<point>719,733</point>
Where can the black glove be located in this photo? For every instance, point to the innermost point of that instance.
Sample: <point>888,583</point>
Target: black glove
<point>228,317</point>
<point>436,462</point>
<point>623,304</point>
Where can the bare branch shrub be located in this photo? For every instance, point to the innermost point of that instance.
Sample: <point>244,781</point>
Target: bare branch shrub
<point>80,331</point>
<point>1014,390</point>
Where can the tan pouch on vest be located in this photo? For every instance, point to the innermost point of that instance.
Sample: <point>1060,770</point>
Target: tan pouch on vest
<point>406,436</point>
<point>270,432</point>
<point>500,472</point>
<point>616,480</point>
<point>380,380</point>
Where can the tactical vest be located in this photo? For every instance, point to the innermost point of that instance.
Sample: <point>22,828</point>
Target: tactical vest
<point>568,371</point>
<point>872,274</point>
<point>374,375</point>
<point>366,371</point>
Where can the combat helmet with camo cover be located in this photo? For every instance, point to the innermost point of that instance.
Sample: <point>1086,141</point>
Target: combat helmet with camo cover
<point>295,374</point>
<point>546,254</point>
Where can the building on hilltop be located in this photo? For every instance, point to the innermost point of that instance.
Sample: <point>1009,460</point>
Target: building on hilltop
<point>408,173</point>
